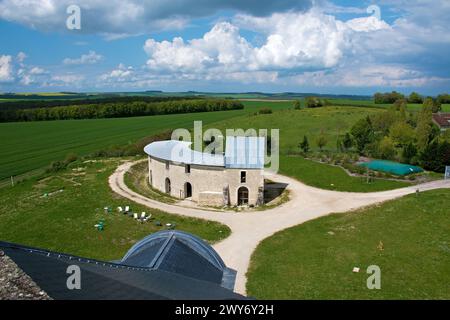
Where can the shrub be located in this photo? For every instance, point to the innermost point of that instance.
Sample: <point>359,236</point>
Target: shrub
<point>432,104</point>
<point>414,97</point>
<point>304,145</point>
<point>389,97</point>
<point>443,98</point>
<point>71,157</point>
<point>314,102</point>
<point>265,111</point>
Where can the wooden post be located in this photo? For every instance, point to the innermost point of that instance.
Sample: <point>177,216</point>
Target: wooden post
<point>12,181</point>
<point>368,175</point>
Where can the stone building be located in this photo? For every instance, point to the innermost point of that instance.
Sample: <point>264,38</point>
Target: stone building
<point>233,178</point>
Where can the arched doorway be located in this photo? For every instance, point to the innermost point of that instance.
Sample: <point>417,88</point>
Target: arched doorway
<point>168,185</point>
<point>187,190</point>
<point>242,196</point>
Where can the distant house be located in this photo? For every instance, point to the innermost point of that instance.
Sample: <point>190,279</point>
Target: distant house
<point>233,178</point>
<point>442,120</point>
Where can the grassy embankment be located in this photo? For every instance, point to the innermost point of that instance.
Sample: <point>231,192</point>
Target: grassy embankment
<point>407,238</point>
<point>64,219</point>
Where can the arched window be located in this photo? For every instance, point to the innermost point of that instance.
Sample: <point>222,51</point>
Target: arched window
<point>168,185</point>
<point>242,196</point>
<point>187,190</point>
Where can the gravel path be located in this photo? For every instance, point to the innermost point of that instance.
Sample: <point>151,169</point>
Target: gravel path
<point>250,228</point>
<point>15,284</point>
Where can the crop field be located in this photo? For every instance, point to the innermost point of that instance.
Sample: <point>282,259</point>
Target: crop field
<point>30,145</point>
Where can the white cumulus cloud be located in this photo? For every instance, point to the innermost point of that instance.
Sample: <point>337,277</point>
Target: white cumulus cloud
<point>293,41</point>
<point>90,58</point>
<point>121,73</point>
<point>6,69</point>
<point>129,17</point>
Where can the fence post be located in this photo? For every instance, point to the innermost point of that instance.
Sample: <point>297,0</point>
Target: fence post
<point>12,181</point>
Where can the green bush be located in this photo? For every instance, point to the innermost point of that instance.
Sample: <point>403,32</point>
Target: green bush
<point>389,97</point>
<point>56,166</point>
<point>314,102</point>
<point>265,111</point>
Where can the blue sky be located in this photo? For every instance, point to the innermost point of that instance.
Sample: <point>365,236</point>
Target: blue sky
<point>319,46</point>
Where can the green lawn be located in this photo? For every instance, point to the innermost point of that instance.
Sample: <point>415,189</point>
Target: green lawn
<point>332,178</point>
<point>315,260</point>
<point>64,221</point>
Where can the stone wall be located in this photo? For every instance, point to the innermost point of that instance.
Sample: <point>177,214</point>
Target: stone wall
<point>207,182</point>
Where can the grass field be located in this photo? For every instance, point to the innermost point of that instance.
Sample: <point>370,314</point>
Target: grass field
<point>294,124</point>
<point>332,178</point>
<point>64,220</point>
<point>315,260</point>
<point>371,103</point>
<point>29,145</point>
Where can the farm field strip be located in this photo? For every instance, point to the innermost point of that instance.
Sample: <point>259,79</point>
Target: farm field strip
<point>30,145</point>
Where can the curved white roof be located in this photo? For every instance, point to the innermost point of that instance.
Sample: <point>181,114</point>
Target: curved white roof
<point>180,151</point>
<point>241,152</point>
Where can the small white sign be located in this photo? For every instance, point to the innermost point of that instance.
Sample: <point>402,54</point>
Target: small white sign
<point>447,172</point>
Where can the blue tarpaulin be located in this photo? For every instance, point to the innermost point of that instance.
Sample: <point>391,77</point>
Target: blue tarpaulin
<point>392,167</point>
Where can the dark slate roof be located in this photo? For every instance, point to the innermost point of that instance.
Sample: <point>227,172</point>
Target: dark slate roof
<point>181,253</point>
<point>166,265</point>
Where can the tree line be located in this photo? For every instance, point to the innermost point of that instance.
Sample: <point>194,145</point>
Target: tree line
<point>414,97</point>
<point>118,110</point>
<point>399,135</point>
<point>61,102</point>
<point>395,134</point>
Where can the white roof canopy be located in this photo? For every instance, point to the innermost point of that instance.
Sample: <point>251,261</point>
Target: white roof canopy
<point>240,152</point>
